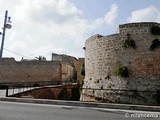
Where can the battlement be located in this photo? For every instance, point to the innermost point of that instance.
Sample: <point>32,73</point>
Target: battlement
<point>139,24</point>
<point>135,27</point>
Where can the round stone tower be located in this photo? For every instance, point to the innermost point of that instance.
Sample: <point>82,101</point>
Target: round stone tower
<point>124,67</point>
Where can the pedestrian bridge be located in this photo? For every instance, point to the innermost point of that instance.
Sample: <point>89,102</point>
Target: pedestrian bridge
<point>62,91</point>
<point>17,89</point>
<point>12,87</point>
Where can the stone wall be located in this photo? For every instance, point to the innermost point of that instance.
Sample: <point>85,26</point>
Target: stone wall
<point>29,71</point>
<point>104,53</point>
<point>15,72</point>
<point>65,59</point>
<point>68,72</point>
<point>69,62</point>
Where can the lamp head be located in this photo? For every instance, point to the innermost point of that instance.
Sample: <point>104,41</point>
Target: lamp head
<point>8,26</point>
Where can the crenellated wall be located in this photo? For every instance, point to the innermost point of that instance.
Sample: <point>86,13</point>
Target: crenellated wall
<point>104,53</point>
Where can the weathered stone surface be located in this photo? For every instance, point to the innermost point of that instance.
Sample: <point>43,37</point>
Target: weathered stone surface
<point>103,54</point>
<point>27,71</point>
<point>12,71</point>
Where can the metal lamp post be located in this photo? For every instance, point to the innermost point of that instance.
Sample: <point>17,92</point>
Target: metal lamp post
<point>8,26</point>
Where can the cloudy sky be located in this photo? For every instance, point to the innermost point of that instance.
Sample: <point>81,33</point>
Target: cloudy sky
<point>42,27</point>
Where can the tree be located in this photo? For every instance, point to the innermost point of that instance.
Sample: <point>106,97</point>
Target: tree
<point>41,58</point>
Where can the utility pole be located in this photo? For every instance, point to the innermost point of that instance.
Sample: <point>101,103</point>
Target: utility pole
<point>8,26</point>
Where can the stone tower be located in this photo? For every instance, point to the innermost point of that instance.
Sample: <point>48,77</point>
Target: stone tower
<point>135,49</point>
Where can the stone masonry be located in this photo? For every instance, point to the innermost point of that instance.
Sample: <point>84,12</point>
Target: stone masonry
<point>12,71</point>
<point>62,68</point>
<point>104,53</point>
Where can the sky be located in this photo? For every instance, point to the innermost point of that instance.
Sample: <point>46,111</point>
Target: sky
<point>43,27</point>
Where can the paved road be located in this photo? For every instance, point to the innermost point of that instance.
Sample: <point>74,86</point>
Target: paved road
<point>25,111</point>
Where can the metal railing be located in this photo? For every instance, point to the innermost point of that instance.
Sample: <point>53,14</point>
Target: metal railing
<point>12,88</point>
<point>15,88</point>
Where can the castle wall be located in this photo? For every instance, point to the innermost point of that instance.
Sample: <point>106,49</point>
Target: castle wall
<point>67,72</point>
<point>65,59</point>
<point>70,66</point>
<point>12,71</point>
<point>104,53</point>
<point>62,68</point>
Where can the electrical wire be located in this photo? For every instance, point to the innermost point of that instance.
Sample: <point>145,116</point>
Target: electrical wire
<point>16,53</point>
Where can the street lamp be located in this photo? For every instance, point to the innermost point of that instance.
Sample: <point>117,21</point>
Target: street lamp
<point>7,20</point>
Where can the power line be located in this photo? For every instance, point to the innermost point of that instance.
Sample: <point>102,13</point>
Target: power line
<point>16,53</point>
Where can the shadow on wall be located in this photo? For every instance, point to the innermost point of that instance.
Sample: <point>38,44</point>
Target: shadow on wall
<point>63,95</point>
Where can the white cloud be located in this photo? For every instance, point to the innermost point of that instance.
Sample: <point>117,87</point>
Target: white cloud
<point>149,14</point>
<point>109,17</point>
<point>42,27</point>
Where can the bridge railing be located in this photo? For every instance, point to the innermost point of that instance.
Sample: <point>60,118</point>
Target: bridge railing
<point>14,88</point>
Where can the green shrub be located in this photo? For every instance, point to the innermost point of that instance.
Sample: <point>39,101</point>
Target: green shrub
<point>155,44</point>
<point>155,30</point>
<point>82,71</point>
<point>129,42</point>
<point>122,71</point>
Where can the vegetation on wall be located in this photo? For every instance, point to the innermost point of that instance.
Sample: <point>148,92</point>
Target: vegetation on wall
<point>122,71</point>
<point>40,58</point>
<point>129,42</point>
<point>155,30</point>
<point>155,44</point>
<point>82,71</point>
